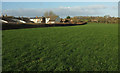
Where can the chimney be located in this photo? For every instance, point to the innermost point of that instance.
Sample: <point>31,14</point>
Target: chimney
<point>36,17</point>
<point>2,15</point>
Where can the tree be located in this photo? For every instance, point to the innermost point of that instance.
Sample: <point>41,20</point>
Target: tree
<point>46,14</point>
<point>52,13</point>
<point>49,13</point>
<point>75,19</point>
<point>106,18</point>
<point>68,17</point>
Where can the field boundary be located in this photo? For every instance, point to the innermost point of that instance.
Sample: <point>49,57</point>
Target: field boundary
<point>21,26</point>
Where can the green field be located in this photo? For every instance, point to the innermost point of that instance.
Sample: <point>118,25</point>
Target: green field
<point>90,47</point>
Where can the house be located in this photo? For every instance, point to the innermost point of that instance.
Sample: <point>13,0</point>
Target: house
<point>25,19</point>
<point>3,21</point>
<point>47,20</point>
<point>5,16</point>
<point>38,19</point>
<point>66,21</point>
<point>8,19</point>
<point>11,19</point>
<point>52,19</point>
<point>19,21</point>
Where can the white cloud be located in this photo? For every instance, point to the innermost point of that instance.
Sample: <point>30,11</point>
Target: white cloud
<point>114,7</point>
<point>61,11</point>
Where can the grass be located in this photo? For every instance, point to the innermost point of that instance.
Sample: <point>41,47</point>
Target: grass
<point>90,47</point>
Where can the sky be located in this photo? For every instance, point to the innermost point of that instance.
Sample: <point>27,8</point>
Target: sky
<point>60,0</point>
<point>62,9</point>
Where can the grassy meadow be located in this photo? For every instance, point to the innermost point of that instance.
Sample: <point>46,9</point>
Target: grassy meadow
<point>90,47</point>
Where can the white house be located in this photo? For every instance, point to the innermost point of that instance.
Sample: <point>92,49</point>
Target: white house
<point>3,21</point>
<point>22,21</point>
<point>19,21</point>
<point>36,19</point>
<point>52,19</point>
<point>47,20</point>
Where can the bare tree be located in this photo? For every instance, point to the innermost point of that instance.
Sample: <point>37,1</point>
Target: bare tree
<point>50,13</point>
<point>46,14</point>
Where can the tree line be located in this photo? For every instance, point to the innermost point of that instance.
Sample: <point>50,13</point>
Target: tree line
<point>105,19</point>
<point>98,19</point>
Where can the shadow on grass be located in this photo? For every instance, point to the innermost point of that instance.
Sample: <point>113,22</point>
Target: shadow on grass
<point>21,26</point>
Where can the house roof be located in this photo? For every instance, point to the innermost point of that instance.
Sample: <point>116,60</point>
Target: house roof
<point>7,16</point>
<point>35,17</point>
<point>8,20</point>
<point>25,19</point>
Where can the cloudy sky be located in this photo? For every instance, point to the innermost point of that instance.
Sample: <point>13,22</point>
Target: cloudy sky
<point>62,9</point>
